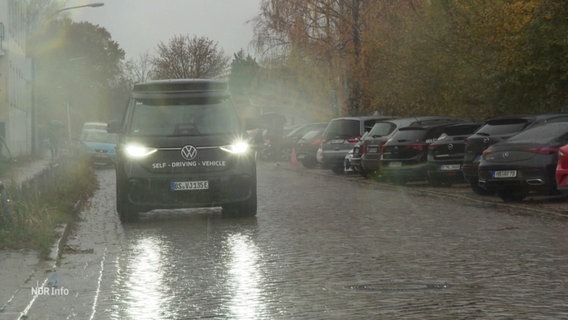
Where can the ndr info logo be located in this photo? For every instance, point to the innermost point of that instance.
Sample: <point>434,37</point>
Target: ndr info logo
<point>50,288</point>
<point>49,291</point>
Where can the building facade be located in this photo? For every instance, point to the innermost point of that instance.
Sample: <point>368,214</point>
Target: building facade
<point>16,103</point>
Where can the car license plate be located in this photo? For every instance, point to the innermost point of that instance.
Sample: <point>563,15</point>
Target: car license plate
<point>189,185</point>
<point>395,164</point>
<point>505,174</point>
<point>373,149</point>
<point>450,167</point>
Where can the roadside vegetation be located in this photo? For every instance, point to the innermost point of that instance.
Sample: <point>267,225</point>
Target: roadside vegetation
<point>31,213</point>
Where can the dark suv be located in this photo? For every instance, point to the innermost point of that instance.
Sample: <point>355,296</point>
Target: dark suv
<point>445,155</point>
<point>491,132</point>
<point>404,155</point>
<point>370,147</point>
<point>182,145</point>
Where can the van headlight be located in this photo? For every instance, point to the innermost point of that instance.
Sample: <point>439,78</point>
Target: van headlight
<point>239,147</point>
<point>137,151</point>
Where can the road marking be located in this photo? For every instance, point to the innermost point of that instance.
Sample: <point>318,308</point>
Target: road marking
<point>99,282</point>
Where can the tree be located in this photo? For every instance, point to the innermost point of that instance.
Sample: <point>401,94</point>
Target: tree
<point>243,76</point>
<point>140,69</point>
<point>83,72</point>
<point>189,57</point>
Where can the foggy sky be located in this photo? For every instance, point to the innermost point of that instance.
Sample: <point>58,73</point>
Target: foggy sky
<point>138,26</point>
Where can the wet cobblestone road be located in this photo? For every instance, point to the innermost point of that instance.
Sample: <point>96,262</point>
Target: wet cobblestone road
<point>321,247</point>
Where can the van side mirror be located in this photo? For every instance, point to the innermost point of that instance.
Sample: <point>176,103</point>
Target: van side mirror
<point>114,126</point>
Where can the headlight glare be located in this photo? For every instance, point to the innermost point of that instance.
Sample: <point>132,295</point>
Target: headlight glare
<point>137,151</point>
<point>237,147</point>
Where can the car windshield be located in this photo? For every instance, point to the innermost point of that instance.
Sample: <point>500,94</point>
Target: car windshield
<point>188,118</point>
<point>343,128</point>
<point>98,136</point>
<point>542,133</point>
<point>381,129</point>
<point>497,128</point>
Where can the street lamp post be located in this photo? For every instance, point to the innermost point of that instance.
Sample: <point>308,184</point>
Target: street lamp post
<point>33,115</point>
<point>90,5</point>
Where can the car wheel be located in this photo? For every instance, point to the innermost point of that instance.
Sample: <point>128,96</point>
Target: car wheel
<point>435,182</point>
<point>479,190</point>
<point>338,169</point>
<point>309,163</point>
<point>126,211</point>
<point>512,196</point>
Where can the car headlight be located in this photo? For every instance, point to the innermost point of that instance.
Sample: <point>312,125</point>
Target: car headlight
<point>137,151</point>
<point>239,147</point>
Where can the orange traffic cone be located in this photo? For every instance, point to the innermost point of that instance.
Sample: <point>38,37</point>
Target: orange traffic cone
<point>293,159</point>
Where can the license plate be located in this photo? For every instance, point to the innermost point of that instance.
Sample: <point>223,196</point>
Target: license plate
<point>395,164</point>
<point>373,149</point>
<point>505,174</point>
<point>189,185</point>
<point>450,167</point>
<point>336,141</point>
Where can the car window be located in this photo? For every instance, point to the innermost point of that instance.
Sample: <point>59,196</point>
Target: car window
<point>381,129</point>
<point>98,136</point>
<point>183,119</point>
<point>496,127</point>
<point>409,135</point>
<point>311,134</point>
<point>542,133</point>
<point>343,128</point>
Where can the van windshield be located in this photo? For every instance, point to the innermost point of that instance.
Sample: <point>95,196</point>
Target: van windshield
<point>183,118</point>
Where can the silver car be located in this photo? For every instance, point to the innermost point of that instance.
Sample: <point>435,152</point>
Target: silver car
<point>341,135</point>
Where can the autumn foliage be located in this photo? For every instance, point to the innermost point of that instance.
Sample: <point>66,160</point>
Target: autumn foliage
<point>475,58</point>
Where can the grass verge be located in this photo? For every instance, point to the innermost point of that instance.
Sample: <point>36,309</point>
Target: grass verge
<point>29,218</point>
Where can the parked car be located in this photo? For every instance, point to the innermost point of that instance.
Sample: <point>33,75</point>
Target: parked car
<point>562,169</point>
<point>293,136</point>
<point>491,132</point>
<point>404,155</point>
<point>370,146</point>
<point>100,146</point>
<point>525,163</point>
<point>339,137</point>
<point>445,155</point>
<point>307,146</point>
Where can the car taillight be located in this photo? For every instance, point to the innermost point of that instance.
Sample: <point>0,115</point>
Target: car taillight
<point>353,139</point>
<point>543,150</point>
<point>486,152</point>
<point>417,147</point>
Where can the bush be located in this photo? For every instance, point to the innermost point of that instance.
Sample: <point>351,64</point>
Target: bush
<point>34,210</point>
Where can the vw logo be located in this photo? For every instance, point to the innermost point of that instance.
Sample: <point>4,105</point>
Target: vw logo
<point>450,147</point>
<point>188,152</point>
<point>486,140</point>
<point>505,155</point>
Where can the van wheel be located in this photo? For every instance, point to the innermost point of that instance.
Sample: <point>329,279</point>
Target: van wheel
<point>245,208</point>
<point>127,212</point>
